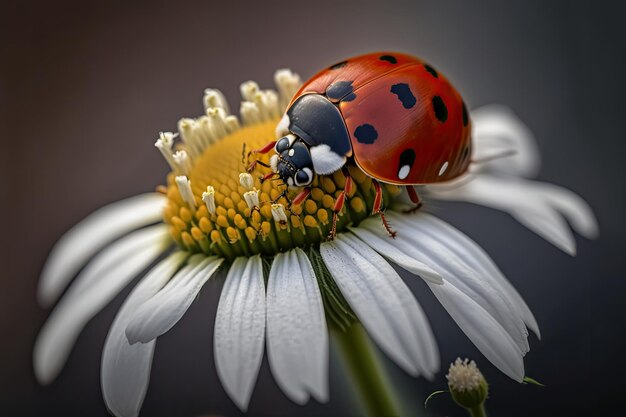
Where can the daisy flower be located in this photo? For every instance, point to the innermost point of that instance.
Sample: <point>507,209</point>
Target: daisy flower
<point>286,285</point>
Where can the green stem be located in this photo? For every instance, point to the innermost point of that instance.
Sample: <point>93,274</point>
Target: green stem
<point>366,373</point>
<point>478,411</point>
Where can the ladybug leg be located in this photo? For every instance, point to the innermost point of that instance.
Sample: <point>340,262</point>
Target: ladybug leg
<point>415,199</point>
<point>301,197</point>
<point>266,176</point>
<point>340,202</point>
<point>265,149</point>
<point>378,203</point>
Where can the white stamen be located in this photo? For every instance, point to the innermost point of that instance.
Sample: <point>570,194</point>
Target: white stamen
<point>288,83</point>
<point>443,168</point>
<point>266,102</point>
<point>209,199</point>
<point>215,98</point>
<point>164,144</point>
<point>183,162</point>
<point>187,128</point>
<point>248,90</point>
<point>232,123</point>
<point>204,132</point>
<point>250,113</point>
<point>166,140</point>
<point>262,103</point>
<point>252,199</point>
<point>270,104</point>
<point>184,188</point>
<point>278,212</point>
<point>217,117</point>
<point>464,375</point>
<point>246,180</point>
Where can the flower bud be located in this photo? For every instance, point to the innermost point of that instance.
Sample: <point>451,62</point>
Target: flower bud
<point>467,385</point>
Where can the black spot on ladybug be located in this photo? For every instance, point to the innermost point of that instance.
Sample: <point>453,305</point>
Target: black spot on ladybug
<point>431,70</point>
<point>349,97</point>
<point>465,118</point>
<point>339,89</point>
<point>403,91</point>
<point>366,134</point>
<point>389,58</point>
<point>407,159</point>
<point>441,111</point>
<point>338,65</point>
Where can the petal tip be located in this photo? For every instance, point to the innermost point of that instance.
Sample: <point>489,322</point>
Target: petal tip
<point>133,334</point>
<point>44,374</point>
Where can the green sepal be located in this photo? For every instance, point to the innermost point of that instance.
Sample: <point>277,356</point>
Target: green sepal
<point>432,395</point>
<point>532,381</point>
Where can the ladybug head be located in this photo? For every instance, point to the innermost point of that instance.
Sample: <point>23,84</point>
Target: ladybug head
<point>292,161</point>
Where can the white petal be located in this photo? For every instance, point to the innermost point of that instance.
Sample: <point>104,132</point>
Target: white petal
<point>476,258</point>
<point>94,287</point>
<point>398,252</point>
<point>383,303</point>
<point>297,337</point>
<point>572,207</point>
<point>125,371</point>
<point>428,242</point>
<point>496,130</point>
<point>161,312</point>
<point>240,329</point>
<point>81,242</point>
<point>539,206</point>
<point>482,329</point>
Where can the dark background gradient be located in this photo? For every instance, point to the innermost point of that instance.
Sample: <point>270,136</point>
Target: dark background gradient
<point>85,88</point>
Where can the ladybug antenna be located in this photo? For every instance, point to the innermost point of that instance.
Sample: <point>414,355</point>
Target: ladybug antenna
<point>503,154</point>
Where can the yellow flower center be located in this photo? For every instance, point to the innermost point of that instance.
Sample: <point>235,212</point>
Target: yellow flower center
<point>233,228</point>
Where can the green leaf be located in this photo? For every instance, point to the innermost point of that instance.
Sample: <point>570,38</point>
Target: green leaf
<point>432,395</point>
<point>529,380</point>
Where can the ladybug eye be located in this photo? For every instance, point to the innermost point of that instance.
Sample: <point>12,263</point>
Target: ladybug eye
<point>284,143</point>
<point>304,177</point>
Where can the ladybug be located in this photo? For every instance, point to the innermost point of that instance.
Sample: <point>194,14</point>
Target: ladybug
<point>396,117</point>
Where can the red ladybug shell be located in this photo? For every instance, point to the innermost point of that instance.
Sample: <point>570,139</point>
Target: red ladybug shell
<point>407,124</point>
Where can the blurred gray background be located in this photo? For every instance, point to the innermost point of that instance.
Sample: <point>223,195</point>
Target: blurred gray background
<point>85,88</point>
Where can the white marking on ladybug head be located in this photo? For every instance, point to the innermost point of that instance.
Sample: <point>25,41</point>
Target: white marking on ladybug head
<point>274,162</point>
<point>325,161</point>
<point>282,128</point>
<point>291,152</point>
<point>443,168</point>
<point>403,172</point>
